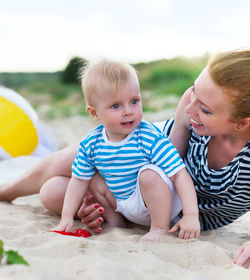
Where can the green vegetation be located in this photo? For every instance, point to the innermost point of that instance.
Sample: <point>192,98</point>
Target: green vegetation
<point>11,257</point>
<point>71,73</point>
<point>59,94</point>
<point>166,77</point>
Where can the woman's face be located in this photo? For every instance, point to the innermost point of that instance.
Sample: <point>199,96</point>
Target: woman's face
<point>209,108</point>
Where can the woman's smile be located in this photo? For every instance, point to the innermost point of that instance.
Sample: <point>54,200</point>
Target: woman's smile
<point>195,123</point>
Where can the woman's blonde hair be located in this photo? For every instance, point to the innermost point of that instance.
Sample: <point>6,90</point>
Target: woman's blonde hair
<point>231,71</point>
<point>105,76</point>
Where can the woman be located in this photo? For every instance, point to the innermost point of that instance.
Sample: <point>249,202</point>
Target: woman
<point>212,133</point>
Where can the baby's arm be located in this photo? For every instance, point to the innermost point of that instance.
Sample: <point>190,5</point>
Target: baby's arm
<point>189,224</point>
<point>75,193</point>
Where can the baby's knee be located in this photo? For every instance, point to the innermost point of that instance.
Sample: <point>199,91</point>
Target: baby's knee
<point>148,177</point>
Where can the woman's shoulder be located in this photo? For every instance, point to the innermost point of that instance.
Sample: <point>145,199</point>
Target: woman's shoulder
<point>245,154</point>
<point>180,133</point>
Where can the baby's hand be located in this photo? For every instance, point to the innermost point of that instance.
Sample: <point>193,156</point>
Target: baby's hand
<point>65,225</point>
<point>189,227</point>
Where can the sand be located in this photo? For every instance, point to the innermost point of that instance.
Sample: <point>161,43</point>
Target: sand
<point>114,254</point>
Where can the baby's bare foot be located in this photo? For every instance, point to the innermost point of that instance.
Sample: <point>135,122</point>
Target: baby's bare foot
<point>154,235</point>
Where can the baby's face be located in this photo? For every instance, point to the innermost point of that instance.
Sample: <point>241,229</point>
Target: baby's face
<point>120,112</point>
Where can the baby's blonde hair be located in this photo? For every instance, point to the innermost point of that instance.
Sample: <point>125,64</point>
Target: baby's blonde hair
<point>231,71</point>
<point>105,76</point>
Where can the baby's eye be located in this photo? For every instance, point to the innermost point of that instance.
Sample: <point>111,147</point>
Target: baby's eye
<point>134,101</point>
<point>205,110</point>
<point>115,106</point>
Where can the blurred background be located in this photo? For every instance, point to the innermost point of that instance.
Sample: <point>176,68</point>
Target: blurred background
<point>167,41</point>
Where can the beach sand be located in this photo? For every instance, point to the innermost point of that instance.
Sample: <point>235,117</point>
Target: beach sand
<point>114,254</point>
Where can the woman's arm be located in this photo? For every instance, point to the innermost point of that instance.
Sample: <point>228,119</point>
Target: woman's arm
<point>180,133</point>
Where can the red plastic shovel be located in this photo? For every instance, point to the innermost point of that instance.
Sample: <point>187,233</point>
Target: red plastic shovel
<point>79,232</point>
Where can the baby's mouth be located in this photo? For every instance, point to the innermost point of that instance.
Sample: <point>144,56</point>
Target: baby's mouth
<point>127,123</point>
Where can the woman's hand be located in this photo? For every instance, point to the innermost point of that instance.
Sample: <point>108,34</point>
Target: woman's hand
<point>90,214</point>
<point>242,256</point>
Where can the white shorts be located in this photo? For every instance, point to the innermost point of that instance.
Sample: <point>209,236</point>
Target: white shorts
<point>134,208</point>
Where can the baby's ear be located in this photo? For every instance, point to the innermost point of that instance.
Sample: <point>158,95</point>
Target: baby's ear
<point>92,112</point>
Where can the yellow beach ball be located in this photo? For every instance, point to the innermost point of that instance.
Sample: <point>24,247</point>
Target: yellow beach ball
<point>18,131</point>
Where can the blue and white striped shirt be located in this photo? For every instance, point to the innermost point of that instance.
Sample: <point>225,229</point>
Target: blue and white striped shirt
<point>119,162</point>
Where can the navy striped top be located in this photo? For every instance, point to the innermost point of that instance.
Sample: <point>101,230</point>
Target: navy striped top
<point>224,194</point>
